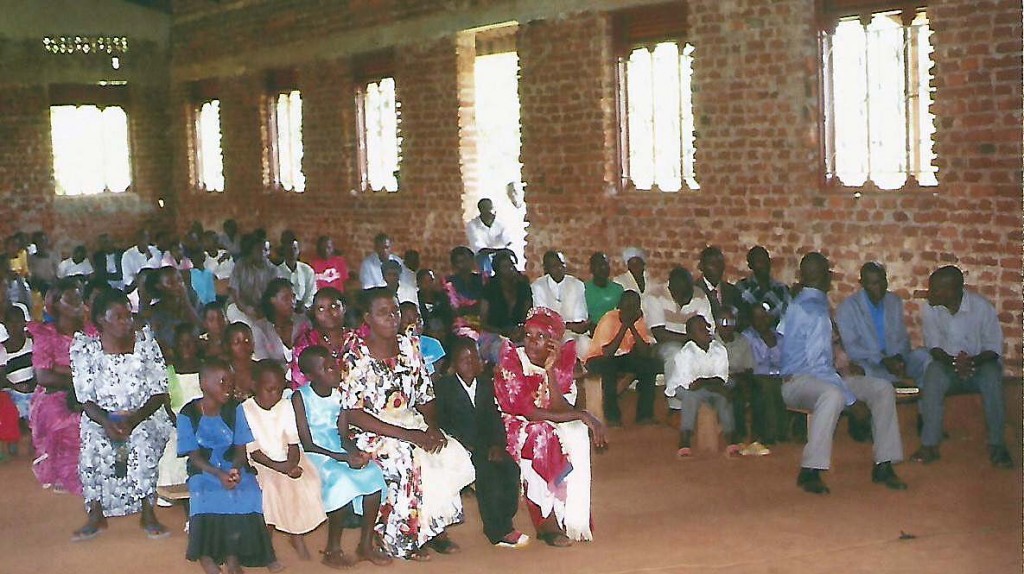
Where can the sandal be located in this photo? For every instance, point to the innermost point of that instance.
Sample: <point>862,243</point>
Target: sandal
<point>85,533</point>
<point>335,559</point>
<point>555,539</point>
<point>421,555</point>
<point>684,453</point>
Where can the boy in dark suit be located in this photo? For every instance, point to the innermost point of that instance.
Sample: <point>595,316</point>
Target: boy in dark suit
<point>467,411</point>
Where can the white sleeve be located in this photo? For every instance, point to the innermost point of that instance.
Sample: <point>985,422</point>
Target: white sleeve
<point>476,239</point>
<point>684,373</point>
<point>654,312</point>
<point>576,305</point>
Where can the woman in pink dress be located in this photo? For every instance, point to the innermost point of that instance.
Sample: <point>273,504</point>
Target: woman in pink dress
<point>55,426</point>
<point>546,434</point>
<point>326,328</point>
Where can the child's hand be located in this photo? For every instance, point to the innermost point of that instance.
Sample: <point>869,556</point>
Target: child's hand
<point>295,472</point>
<point>227,481</point>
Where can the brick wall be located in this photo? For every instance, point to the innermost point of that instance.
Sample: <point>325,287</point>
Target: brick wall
<point>756,96</point>
<point>26,164</point>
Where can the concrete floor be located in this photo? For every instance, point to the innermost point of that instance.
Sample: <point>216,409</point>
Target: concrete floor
<point>654,514</point>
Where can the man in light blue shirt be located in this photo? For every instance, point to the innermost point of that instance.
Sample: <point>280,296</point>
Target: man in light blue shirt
<point>874,332</point>
<point>961,329</point>
<point>812,384</point>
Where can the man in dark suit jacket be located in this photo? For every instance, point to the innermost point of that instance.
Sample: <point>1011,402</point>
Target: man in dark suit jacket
<point>720,293</point>
<point>467,411</point>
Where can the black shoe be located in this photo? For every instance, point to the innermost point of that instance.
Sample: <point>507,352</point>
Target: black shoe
<point>999,456</point>
<point>809,479</point>
<point>925,455</point>
<point>883,473</point>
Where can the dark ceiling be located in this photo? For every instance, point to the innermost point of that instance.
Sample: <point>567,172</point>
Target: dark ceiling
<point>161,5</point>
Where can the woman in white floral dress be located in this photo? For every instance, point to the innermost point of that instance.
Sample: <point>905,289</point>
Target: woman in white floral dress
<point>387,394</point>
<point>121,381</point>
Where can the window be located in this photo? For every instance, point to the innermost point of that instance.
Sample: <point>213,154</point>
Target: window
<point>90,149</point>
<point>286,156</point>
<point>878,130</point>
<point>209,159</point>
<point>660,142</point>
<point>380,143</point>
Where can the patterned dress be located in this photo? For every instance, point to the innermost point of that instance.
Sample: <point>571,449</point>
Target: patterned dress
<point>55,428</point>
<point>422,498</point>
<point>554,458</point>
<point>462,294</point>
<point>307,336</point>
<point>120,383</point>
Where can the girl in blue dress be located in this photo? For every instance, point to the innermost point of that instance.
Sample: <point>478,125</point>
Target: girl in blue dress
<point>350,481</point>
<point>226,505</point>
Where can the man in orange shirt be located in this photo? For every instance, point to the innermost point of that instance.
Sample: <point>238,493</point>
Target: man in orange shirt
<point>622,343</point>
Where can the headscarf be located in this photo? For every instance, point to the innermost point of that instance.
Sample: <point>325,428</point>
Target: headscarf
<point>631,252</point>
<point>547,320</point>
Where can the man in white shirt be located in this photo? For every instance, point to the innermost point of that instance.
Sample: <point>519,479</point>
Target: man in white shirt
<point>301,275</point>
<point>370,274</point>
<point>486,235</point>
<point>701,369</point>
<point>567,295</point>
<point>76,266</point>
<point>636,279</point>
<point>136,257</point>
<point>668,313</point>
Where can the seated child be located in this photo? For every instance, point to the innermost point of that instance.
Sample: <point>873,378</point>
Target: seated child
<point>10,425</point>
<point>215,321</point>
<point>226,506</point>
<point>350,482</point>
<point>182,388</point>
<point>433,351</point>
<point>700,373</point>
<point>20,380</point>
<point>290,484</point>
<point>466,410</point>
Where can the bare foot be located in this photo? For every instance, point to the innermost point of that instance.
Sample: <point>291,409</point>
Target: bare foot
<point>336,559</point>
<point>275,566</point>
<point>209,566</point>
<point>232,566</point>
<point>421,555</point>
<point>374,555</point>
<point>298,542</point>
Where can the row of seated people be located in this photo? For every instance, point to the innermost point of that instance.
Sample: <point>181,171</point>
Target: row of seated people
<point>804,372</point>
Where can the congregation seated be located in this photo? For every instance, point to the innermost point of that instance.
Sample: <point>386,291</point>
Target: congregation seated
<point>406,392</point>
<point>565,295</point>
<point>962,331</point>
<point>874,331</point>
<point>813,384</point>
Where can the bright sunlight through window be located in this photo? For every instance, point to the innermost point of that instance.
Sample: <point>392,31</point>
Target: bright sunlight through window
<point>380,122</point>
<point>659,116</point>
<point>90,150</point>
<point>880,127</point>
<point>288,140</point>
<point>209,157</point>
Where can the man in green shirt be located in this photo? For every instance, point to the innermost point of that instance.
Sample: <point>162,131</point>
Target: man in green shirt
<point>602,294</point>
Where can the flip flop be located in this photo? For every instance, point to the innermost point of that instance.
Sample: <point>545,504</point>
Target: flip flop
<point>86,533</point>
<point>684,453</point>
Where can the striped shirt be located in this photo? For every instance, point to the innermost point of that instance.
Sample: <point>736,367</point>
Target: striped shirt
<point>19,364</point>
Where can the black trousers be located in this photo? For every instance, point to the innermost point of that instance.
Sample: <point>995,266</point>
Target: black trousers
<point>645,369</point>
<point>497,494</point>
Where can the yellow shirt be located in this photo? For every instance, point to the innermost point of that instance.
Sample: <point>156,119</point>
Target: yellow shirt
<point>606,330</point>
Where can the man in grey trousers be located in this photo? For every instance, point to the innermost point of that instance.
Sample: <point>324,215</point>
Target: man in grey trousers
<point>812,383</point>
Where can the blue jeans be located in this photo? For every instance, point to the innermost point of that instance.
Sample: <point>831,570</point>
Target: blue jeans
<point>940,379</point>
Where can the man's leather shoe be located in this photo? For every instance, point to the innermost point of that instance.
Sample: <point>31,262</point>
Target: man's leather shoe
<point>883,473</point>
<point>809,479</point>
<point>925,455</point>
